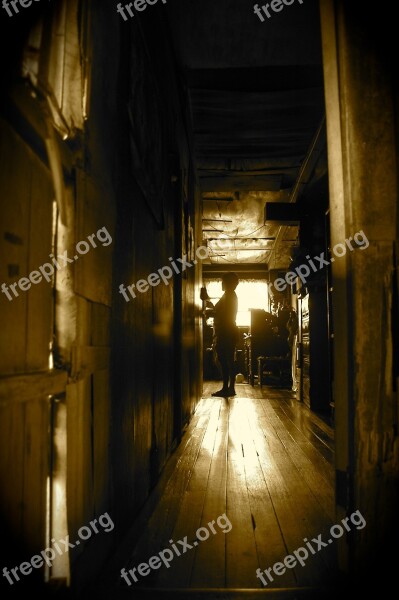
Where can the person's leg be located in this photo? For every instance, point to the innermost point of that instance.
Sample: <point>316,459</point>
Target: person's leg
<point>231,372</point>
<point>224,366</point>
<point>225,372</point>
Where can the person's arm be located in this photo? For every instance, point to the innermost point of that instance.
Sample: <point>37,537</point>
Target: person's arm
<point>209,310</point>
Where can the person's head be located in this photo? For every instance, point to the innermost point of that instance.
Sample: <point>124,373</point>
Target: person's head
<point>229,282</point>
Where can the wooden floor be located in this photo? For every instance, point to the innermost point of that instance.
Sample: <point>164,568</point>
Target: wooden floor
<point>266,462</point>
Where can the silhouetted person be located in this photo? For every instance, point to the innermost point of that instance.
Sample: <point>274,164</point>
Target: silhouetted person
<point>226,333</point>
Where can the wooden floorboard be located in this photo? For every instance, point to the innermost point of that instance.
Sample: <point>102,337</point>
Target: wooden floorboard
<point>307,421</point>
<point>316,472</point>
<point>295,507</point>
<point>306,428</point>
<point>298,511</point>
<point>210,558</point>
<point>191,509</point>
<point>263,460</point>
<point>269,539</point>
<point>241,552</point>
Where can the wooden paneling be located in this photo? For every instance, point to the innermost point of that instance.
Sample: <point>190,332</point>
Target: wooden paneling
<point>361,100</point>
<point>25,244</point>
<point>93,271</point>
<point>134,416</point>
<point>36,472</point>
<point>100,328</point>
<point>40,296</point>
<point>101,442</point>
<point>15,183</point>
<point>24,470</point>
<point>26,332</point>
<point>12,469</point>
<point>83,318</point>
<point>88,359</point>
<point>163,380</point>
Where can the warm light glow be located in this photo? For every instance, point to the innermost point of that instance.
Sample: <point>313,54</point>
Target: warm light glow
<point>242,436</point>
<point>57,525</point>
<point>50,358</point>
<point>250,293</point>
<point>48,519</point>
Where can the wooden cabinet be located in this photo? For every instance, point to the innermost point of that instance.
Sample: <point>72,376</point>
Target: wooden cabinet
<point>262,341</point>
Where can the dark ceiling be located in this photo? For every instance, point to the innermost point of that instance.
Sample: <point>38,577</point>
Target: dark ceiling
<point>256,92</point>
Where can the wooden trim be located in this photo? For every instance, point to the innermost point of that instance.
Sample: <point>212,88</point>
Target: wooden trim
<point>89,359</point>
<point>31,386</point>
<point>244,269</point>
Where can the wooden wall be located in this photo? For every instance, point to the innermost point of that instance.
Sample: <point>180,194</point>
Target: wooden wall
<point>125,377</point>
<point>361,106</point>
<point>155,335</point>
<point>26,324</point>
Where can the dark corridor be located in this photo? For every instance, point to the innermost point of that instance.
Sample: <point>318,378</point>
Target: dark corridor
<point>148,151</point>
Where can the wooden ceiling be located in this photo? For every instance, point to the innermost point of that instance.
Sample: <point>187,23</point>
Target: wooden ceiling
<point>256,93</point>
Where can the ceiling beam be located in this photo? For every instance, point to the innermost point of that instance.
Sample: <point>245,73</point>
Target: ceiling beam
<point>229,181</point>
<point>236,268</point>
<point>220,172</point>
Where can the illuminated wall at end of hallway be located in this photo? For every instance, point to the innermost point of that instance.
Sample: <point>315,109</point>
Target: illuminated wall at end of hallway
<point>251,293</point>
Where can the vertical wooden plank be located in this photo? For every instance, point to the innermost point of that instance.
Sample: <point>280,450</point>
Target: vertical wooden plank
<point>79,457</point>
<point>100,325</point>
<point>162,365</point>
<point>36,472</point>
<point>93,270</point>
<point>12,424</point>
<point>101,442</point>
<point>84,322</point>
<point>40,296</point>
<point>15,184</point>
